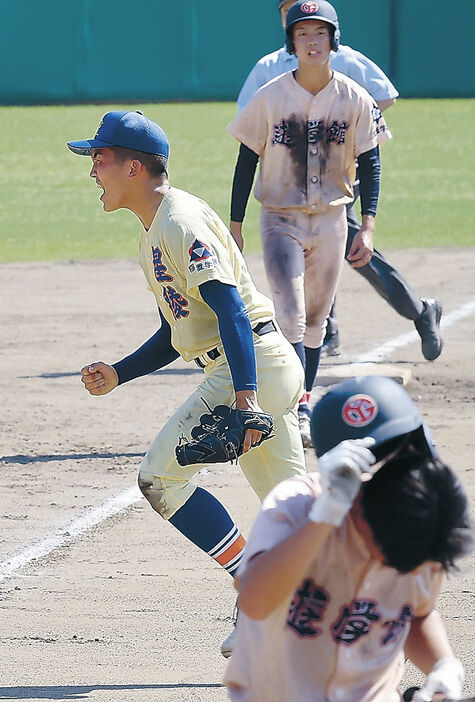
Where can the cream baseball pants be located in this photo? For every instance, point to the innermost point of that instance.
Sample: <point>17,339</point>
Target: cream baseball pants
<point>303,258</point>
<point>167,485</point>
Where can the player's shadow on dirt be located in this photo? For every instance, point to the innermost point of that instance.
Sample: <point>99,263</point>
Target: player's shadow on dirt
<point>47,458</point>
<point>163,371</point>
<point>81,692</point>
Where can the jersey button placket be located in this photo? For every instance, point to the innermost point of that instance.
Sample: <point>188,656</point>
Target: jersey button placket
<point>313,188</point>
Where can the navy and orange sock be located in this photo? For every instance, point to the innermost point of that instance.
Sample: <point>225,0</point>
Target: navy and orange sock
<point>205,522</point>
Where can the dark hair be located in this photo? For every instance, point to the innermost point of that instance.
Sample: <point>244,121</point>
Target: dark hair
<point>418,511</point>
<point>156,164</point>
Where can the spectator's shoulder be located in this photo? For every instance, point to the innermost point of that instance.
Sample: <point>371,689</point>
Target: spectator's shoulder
<point>274,58</point>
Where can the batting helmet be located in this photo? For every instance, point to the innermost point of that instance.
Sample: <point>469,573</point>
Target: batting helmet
<point>368,406</point>
<point>311,10</point>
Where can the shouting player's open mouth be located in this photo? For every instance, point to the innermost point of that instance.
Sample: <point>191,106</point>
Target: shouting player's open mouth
<point>98,185</point>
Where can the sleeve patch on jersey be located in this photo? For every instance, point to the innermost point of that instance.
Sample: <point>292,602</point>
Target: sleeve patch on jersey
<point>378,120</point>
<point>198,251</point>
<point>200,257</point>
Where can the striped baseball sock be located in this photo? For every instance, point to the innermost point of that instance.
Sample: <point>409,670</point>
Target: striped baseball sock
<point>205,522</point>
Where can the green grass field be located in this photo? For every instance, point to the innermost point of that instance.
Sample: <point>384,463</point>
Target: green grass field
<point>50,209</point>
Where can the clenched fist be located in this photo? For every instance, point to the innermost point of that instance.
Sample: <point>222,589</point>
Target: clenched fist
<point>99,378</point>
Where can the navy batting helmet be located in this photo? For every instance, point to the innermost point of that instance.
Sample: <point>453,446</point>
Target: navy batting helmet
<point>369,406</point>
<point>309,9</point>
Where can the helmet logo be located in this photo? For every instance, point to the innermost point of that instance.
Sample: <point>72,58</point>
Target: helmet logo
<point>359,410</point>
<point>309,7</point>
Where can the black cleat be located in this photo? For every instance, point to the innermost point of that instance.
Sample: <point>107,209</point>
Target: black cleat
<point>428,328</point>
<point>331,345</point>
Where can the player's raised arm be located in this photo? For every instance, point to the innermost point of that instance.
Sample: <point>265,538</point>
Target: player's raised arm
<point>157,352</point>
<point>342,469</point>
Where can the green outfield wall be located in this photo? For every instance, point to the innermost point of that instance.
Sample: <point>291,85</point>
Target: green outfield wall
<point>145,50</point>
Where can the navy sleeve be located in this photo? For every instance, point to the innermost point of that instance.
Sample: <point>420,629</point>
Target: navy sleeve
<point>235,331</point>
<point>242,183</point>
<point>154,354</point>
<point>369,168</point>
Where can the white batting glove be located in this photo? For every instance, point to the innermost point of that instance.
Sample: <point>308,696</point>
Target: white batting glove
<point>445,677</point>
<point>341,470</point>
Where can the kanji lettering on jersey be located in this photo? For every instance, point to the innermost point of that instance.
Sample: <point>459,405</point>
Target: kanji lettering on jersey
<point>176,302</point>
<point>307,609</point>
<point>159,267</point>
<point>316,130</point>
<point>198,251</point>
<point>336,132</point>
<point>396,626</point>
<point>281,134</point>
<point>355,621</point>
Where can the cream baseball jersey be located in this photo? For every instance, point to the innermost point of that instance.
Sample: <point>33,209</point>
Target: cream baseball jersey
<point>187,245</point>
<point>308,143</point>
<point>339,636</point>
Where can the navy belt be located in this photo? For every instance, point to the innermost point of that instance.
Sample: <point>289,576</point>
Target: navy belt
<point>260,329</point>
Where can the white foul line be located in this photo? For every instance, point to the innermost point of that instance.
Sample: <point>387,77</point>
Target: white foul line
<point>128,497</point>
<point>70,531</point>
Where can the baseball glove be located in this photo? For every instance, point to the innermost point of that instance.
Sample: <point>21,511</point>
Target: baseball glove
<point>219,437</point>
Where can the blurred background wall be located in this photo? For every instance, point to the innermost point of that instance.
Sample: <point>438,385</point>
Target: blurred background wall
<point>164,50</point>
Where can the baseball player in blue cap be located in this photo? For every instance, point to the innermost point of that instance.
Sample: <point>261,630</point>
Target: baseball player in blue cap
<point>379,272</point>
<point>210,313</point>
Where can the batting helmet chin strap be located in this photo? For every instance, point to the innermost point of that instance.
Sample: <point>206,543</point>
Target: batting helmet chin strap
<point>312,10</point>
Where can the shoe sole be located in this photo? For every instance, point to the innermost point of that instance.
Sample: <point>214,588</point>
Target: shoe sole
<point>438,317</point>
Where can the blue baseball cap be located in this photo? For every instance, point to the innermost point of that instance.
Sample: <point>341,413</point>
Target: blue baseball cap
<point>131,130</point>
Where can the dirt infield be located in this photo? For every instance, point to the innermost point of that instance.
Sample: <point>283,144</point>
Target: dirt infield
<point>130,611</point>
